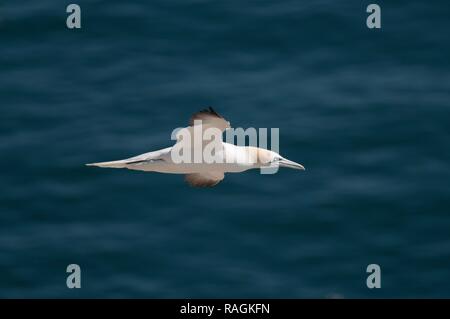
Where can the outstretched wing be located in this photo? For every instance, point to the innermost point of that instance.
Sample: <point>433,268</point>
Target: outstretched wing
<point>207,179</point>
<point>210,118</point>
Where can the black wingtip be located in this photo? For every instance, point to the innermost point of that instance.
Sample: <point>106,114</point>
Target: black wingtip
<point>209,110</point>
<point>212,111</point>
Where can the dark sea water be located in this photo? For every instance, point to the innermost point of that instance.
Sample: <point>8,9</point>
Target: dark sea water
<point>366,111</point>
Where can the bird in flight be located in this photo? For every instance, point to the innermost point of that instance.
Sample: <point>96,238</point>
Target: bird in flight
<point>227,158</point>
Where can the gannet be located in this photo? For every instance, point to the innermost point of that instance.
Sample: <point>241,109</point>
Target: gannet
<point>235,159</point>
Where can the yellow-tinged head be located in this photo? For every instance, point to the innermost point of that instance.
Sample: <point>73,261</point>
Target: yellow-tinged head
<point>265,158</point>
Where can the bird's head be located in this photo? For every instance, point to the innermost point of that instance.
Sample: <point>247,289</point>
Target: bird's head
<point>268,158</point>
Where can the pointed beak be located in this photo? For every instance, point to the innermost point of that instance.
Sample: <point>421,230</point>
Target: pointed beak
<point>287,163</point>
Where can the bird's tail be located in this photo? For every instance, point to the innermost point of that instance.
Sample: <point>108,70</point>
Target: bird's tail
<point>113,164</point>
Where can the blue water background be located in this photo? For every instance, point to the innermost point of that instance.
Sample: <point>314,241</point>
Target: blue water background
<point>366,111</point>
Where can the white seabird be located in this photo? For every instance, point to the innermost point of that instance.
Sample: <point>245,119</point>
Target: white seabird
<point>236,159</point>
